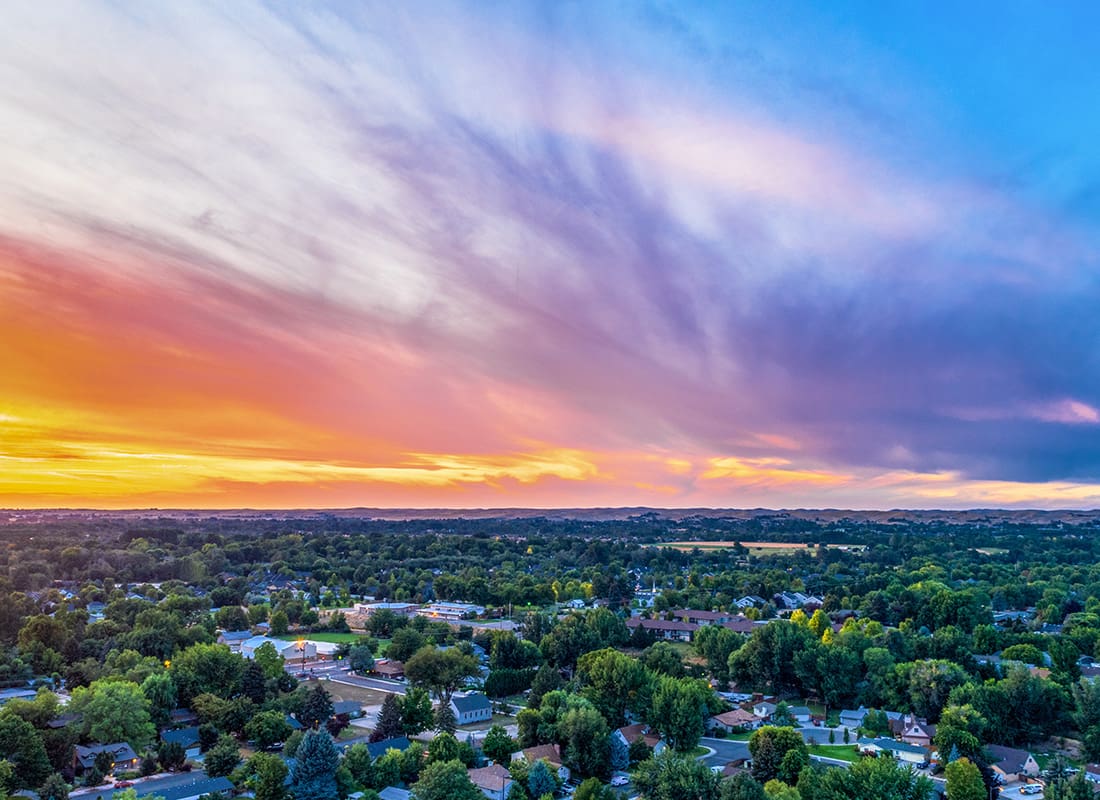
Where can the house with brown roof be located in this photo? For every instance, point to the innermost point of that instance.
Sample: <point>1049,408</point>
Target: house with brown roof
<point>670,629</point>
<point>550,753</point>
<point>736,720</point>
<point>493,781</point>
<point>631,733</point>
<point>388,668</point>
<point>918,732</point>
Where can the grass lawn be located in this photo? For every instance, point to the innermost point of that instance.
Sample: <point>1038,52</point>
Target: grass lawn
<point>360,694</point>
<point>842,752</point>
<point>332,638</point>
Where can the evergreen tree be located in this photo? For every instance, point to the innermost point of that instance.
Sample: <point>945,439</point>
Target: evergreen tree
<point>541,780</point>
<point>314,773</point>
<point>317,708</point>
<point>445,721</point>
<point>390,724</point>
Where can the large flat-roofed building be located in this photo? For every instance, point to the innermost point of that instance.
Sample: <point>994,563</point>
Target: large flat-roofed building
<point>451,611</point>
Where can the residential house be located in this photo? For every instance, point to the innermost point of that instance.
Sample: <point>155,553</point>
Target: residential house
<point>750,601</point>
<point>629,734</point>
<point>379,749</point>
<point>902,751</point>
<point>672,630</point>
<point>918,732</point>
<point>234,639</point>
<point>802,715</point>
<point>764,710</point>
<point>470,708</point>
<point>187,738</point>
<point>702,617</point>
<point>734,721</point>
<point>389,668</point>
<point>493,781</point>
<point>1011,764</point>
<point>853,718</point>
<point>550,753</point>
<point>740,624</point>
<point>394,793</point>
<point>792,600</point>
<point>16,694</point>
<point>123,757</point>
<point>348,709</point>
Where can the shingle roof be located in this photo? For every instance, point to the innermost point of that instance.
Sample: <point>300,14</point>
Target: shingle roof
<point>377,749</point>
<point>185,736</point>
<point>464,704</point>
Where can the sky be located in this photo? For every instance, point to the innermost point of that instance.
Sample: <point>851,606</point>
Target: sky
<point>568,254</point>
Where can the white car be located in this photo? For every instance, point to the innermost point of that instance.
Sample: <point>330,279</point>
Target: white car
<point>1031,789</point>
<point>620,780</point>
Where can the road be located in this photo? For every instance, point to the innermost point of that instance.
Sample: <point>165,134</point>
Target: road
<point>725,751</point>
<point>156,784</point>
<point>378,684</point>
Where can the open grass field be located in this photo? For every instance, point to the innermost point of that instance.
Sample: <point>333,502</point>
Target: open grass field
<point>991,551</point>
<point>332,638</point>
<point>841,752</point>
<point>360,694</point>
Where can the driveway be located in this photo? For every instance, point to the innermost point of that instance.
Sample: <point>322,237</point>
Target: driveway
<point>725,751</point>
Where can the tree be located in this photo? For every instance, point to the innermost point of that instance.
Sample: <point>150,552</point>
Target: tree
<point>583,734</point>
<point>54,788</point>
<point>405,643</point>
<point>964,781</point>
<point>678,710</point>
<point>271,662</point>
<point>742,787</point>
<point>445,720</point>
<point>1064,788</point>
<point>663,659</point>
<point>541,780</point>
<point>416,711</point>
<point>498,746</point>
<point>618,753</point>
<point>390,724</point>
<point>279,623</point>
<point>222,758</point>
<point>232,618</point>
<point>360,659</point>
<point>172,756</point>
<point>614,683</point>
<point>1086,715</point>
<point>715,644</point>
<point>670,776</point>
<point>314,773</point>
<point>266,776</point>
<point>594,789</point>
<point>768,746</point>
<point>115,711</point>
<point>777,790</point>
<point>210,668</point>
<point>517,791</point>
<point>268,728</point>
<point>358,761</point>
<point>22,745</point>
<point>160,690</point>
<point>317,708</point>
<point>254,683</point>
<point>444,780</point>
<point>546,679</point>
<point>877,778</point>
<point>441,672</point>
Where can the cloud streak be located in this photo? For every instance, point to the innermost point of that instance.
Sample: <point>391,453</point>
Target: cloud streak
<point>443,255</point>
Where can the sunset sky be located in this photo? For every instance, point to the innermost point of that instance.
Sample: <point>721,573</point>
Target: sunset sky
<point>566,254</point>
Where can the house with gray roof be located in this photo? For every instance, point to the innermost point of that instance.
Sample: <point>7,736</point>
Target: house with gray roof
<point>470,708</point>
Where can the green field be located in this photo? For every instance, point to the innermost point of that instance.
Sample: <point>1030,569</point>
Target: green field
<point>332,638</point>
<point>841,752</point>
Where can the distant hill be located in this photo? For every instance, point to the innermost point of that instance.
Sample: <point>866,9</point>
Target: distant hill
<point>827,515</point>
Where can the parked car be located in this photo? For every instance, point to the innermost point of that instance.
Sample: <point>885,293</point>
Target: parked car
<point>620,780</point>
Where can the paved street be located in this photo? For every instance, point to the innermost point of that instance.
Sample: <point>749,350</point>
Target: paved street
<point>379,684</point>
<point>725,751</point>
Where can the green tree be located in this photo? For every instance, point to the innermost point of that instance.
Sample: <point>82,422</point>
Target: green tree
<point>314,774</point>
<point>768,746</point>
<point>160,690</point>
<point>679,708</point>
<point>742,787</point>
<point>172,756</point>
<point>279,623</point>
<point>416,711</point>
<point>54,788</point>
<point>670,776</point>
<point>206,668</point>
<point>964,781</point>
<point>404,644</point>
<point>445,721</point>
<point>390,724</point>
<point>254,683</point>
<point>662,658</point>
<point>358,761</point>
<point>115,711</point>
<point>716,644</point>
<point>583,733</point>
<point>541,779</point>
<point>268,728</point>
<point>223,757</point>
<point>360,659</point>
<point>271,662</point>
<point>266,776</point>
<point>777,790</point>
<point>614,683</point>
<point>1065,788</point>
<point>498,746</point>
<point>546,679</point>
<point>317,708</point>
<point>441,672</point>
<point>594,789</point>
<point>445,780</point>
